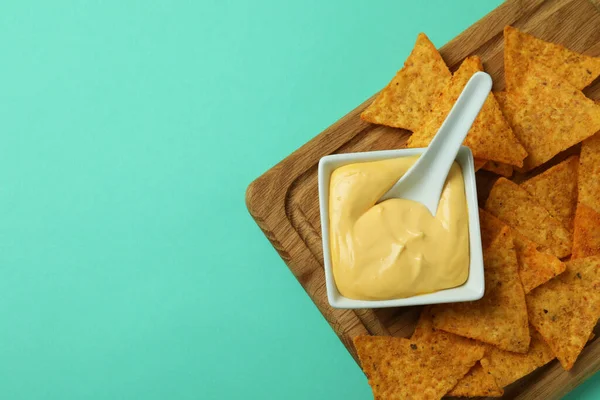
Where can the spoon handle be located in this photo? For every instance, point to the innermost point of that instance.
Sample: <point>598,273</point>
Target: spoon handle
<point>424,181</point>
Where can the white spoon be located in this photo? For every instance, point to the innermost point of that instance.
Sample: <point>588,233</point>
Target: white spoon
<point>424,181</point>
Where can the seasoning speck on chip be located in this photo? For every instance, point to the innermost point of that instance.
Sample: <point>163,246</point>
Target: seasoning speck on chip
<point>406,101</point>
<point>516,207</point>
<point>500,317</point>
<point>401,368</point>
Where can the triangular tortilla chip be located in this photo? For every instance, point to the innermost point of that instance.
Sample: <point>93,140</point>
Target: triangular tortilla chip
<point>490,137</point>
<point>586,238</point>
<point>477,382</point>
<point>406,101</point>
<point>424,328</point>
<point>499,168</point>
<point>506,366</point>
<point>556,190</point>
<point>400,368</point>
<point>479,164</point>
<point>500,317</point>
<point>490,227</point>
<point>548,115</point>
<point>515,206</point>
<point>589,172</point>
<point>535,267</point>
<point>583,272</point>
<point>565,310</point>
<point>522,49</point>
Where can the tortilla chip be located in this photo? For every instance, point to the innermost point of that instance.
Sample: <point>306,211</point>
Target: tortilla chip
<point>583,272</point>
<point>548,115</point>
<point>522,49</point>
<point>535,268</point>
<point>477,382</point>
<point>479,164</point>
<point>565,310</point>
<point>490,137</point>
<point>499,168</point>
<point>425,331</point>
<point>500,317</point>
<point>506,366</point>
<point>424,328</point>
<point>490,227</point>
<point>406,101</point>
<point>401,368</point>
<point>556,190</point>
<point>586,238</point>
<point>515,206</point>
<point>564,316</point>
<point>589,172</point>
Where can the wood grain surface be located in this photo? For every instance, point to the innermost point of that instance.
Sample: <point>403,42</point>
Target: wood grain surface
<point>284,200</point>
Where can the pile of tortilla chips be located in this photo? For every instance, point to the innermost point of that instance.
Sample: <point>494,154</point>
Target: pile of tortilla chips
<point>540,235</point>
<point>542,112</point>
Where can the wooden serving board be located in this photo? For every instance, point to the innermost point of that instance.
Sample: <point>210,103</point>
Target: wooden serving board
<point>284,200</point>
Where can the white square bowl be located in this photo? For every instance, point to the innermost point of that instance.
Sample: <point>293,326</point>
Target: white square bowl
<point>472,289</point>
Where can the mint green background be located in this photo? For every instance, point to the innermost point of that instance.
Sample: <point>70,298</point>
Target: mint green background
<point>129,130</point>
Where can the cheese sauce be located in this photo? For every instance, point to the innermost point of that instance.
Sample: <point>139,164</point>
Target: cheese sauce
<point>396,248</point>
